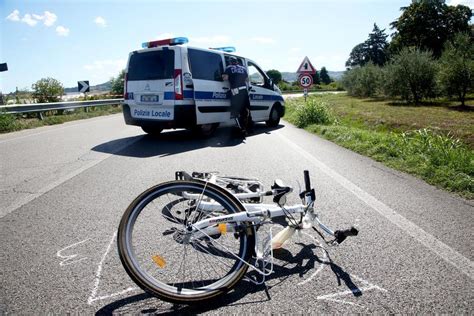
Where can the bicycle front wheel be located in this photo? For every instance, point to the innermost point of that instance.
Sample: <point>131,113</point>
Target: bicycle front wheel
<point>165,259</point>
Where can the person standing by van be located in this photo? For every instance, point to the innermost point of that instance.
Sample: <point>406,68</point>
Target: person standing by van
<point>239,101</point>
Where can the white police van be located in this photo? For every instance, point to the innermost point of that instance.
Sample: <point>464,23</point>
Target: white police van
<point>170,85</point>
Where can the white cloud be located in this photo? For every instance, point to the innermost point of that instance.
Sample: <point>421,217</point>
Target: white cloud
<point>62,31</point>
<point>14,16</point>
<point>29,20</point>
<point>211,40</point>
<point>100,21</point>
<point>469,3</point>
<point>48,18</point>
<point>295,49</point>
<point>263,40</point>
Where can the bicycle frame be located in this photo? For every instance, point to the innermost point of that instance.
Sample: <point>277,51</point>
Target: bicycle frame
<point>255,213</point>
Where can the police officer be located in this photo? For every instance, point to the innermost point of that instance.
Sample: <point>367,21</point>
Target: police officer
<point>239,101</point>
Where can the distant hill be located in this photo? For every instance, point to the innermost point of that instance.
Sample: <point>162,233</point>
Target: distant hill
<point>292,76</point>
<point>106,86</point>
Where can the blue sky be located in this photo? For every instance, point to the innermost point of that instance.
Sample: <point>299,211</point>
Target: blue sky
<point>73,40</point>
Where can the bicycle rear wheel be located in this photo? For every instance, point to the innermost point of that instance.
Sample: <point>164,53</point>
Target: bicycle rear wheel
<point>164,259</point>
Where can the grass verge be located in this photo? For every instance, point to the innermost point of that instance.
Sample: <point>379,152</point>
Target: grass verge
<point>428,151</point>
<point>16,122</point>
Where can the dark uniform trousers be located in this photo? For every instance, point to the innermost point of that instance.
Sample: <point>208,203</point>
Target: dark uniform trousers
<point>240,108</point>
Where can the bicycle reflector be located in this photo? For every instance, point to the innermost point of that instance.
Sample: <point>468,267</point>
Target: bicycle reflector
<point>168,41</point>
<point>159,261</point>
<point>227,49</point>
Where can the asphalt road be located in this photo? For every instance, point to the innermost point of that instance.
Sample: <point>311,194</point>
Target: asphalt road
<point>64,188</point>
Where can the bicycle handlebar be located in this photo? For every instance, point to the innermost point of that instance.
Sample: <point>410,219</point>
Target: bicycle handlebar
<point>307,181</point>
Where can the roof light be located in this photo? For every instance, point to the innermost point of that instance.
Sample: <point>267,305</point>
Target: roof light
<point>168,41</point>
<point>227,49</point>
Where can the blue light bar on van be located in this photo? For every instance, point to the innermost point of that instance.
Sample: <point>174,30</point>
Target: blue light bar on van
<point>168,41</point>
<point>227,49</point>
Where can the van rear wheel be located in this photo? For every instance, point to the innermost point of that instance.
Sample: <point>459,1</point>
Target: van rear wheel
<point>153,131</point>
<point>205,130</point>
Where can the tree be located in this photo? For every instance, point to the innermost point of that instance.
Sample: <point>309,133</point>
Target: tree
<point>411,75</point>
<point>456,73</point>
<point>275,75</point>
<point>325,76</point>
<point>316,78</point>
<point>362,81</point>
<point>47,90</point>
<point>374,49</point>
<point>428,24</point>
<point>376,46</point>
<point>358,56</point>
<point>117,84</point>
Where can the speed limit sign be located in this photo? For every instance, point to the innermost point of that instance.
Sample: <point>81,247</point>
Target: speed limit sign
<point>306,81</point>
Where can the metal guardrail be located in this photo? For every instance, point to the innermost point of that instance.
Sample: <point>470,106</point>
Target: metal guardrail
<point>42,107</point>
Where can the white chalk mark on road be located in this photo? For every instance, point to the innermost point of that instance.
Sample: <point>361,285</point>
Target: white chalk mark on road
<point>93,297</point>
<point>367,287</point>
<point>324,261</point>
<point>68,259</point>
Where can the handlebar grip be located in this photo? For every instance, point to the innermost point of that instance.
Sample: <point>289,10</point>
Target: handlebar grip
<point>307,182</point>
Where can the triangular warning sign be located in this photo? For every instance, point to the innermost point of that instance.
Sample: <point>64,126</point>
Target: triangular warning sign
<point>306,67</point>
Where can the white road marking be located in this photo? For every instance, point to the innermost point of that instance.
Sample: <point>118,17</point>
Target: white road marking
<point>448,254</point>
<point>30,197</point>
<point>93,297</point>
<point>68,259</point>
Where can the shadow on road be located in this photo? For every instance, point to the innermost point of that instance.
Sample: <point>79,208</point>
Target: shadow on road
<point>290,265</point>
<point>177,141</point>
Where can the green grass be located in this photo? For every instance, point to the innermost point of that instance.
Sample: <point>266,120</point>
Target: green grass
<point>11,122</point>
<point>416,140</point>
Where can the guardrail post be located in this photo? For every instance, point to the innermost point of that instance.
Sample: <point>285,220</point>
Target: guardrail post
<point>40,116</point>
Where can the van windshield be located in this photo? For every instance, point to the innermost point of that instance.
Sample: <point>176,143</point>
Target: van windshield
<point>157,64</point>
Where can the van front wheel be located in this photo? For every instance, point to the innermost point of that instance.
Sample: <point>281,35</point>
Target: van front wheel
<point>153,131</point>
<point>274,118</point>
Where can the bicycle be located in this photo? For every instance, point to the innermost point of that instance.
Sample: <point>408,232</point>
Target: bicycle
<point>193,238</point>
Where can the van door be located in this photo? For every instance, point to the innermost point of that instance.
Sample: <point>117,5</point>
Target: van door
<point>150,93</point>
<point>261,93</point>
<point>211,93</point>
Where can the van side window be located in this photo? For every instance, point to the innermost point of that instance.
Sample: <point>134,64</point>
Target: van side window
<point>205,65</point>
<point>227,62</point>
<point>256,76</point>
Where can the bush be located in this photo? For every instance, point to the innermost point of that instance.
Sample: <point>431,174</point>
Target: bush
<point>7,122</point>
<point>47,90</point>
<point>410,75</point>
<point>313,112</point>
<point>362,81</point>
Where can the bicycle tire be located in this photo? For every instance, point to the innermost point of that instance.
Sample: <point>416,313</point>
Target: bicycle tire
<point>134,253</point>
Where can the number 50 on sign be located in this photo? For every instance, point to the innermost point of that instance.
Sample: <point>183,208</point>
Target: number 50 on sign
<point>305,81</point>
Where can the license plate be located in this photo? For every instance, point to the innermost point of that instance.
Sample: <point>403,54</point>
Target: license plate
<point>149,98</point>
